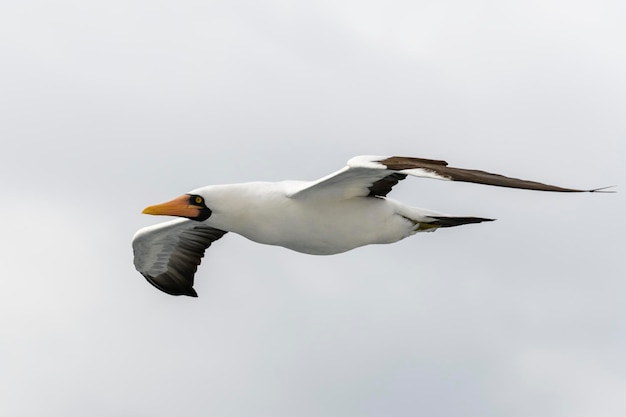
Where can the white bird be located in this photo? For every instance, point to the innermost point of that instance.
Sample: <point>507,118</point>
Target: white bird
<point>334,214</point>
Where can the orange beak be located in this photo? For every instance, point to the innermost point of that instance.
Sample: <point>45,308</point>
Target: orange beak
<point>180,206</point>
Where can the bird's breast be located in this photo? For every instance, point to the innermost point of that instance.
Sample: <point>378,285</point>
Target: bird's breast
<point>321,227</point>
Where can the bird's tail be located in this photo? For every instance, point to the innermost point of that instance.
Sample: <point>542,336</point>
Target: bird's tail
<point>448,221</point>
<point>428,220</point>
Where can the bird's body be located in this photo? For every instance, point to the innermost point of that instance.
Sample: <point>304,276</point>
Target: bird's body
<point>337,213</point>
<point>263,213</point>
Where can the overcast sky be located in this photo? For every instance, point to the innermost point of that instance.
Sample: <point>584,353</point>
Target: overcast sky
<point>109,106</point>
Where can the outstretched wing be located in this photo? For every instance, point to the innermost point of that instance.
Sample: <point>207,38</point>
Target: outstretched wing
<point>168,254</point>
<point>374,176</point>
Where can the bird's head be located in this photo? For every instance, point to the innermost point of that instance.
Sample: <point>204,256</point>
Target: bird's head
<point>192,206</point>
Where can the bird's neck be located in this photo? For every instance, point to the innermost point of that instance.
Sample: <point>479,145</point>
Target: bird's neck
<point>235,206</point>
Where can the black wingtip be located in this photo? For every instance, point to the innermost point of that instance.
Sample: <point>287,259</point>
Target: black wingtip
<point>603,189</point>
<point>189,292</point>
<point>170,286</point>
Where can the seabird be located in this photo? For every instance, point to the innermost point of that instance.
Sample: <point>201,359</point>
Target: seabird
<point>342,211</point>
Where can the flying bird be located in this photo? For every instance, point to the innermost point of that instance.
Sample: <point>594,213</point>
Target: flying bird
<point>342,211</point>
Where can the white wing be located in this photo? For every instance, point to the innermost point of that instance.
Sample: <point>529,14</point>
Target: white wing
<point>168,254</point>
<point>375,176</point>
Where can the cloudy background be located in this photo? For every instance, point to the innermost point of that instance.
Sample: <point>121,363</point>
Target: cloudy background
<point>109,106</point>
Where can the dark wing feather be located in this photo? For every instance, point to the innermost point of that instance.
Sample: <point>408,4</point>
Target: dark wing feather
<point>382,187</point>
<point>168,254</point>
<point>375,176</point>
<point>440,169</point>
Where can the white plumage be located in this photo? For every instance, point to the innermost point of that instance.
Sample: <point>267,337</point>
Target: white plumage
<point>334,214</point>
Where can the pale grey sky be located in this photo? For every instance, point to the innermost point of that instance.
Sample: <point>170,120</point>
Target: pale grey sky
<point>106,107</point>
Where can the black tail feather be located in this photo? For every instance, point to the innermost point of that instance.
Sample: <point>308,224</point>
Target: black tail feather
<point>442,221</point>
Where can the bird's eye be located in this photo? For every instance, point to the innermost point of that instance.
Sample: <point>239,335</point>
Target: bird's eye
<point>198,199</point>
